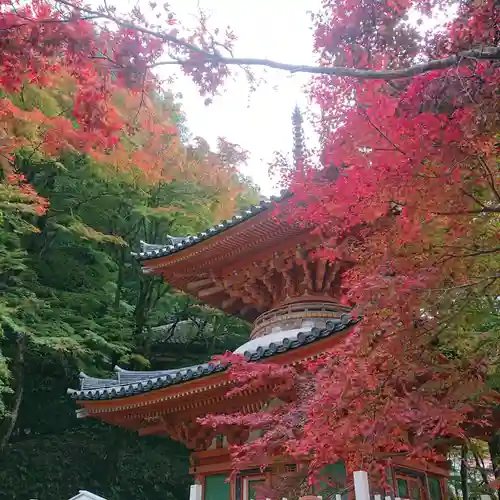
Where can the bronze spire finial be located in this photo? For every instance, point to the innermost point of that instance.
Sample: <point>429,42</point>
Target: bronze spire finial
<point>298,137</point>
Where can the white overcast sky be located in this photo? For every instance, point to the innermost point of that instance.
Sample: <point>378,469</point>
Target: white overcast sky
<point>261,121</point>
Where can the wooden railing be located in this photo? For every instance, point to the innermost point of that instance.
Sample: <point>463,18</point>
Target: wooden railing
<point>296,312</point>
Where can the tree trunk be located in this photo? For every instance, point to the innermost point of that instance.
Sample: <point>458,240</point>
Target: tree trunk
<point>120,278</point>
<point>480,466</point>
<point>141,307</point>
<point>494,447</point>
<point>464,473</point>
<point>18,373</point>
<point>151,290</point>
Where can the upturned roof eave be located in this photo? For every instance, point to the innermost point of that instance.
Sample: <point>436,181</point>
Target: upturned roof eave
<point>213,231</point>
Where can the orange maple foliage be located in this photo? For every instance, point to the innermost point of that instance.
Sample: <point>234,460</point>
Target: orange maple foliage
<point>109,116</point>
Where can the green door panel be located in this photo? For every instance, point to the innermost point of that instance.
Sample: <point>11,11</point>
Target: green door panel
<point>216,487</point>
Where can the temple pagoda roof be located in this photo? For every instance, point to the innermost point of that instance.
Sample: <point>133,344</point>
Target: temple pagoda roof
<point>130,383</point>
<point>154,251</point>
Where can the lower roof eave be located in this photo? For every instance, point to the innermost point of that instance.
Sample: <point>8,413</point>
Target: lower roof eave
<point>196,379</point>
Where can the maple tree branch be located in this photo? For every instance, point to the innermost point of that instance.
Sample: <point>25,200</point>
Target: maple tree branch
<point>485,53</point>
<point>448,257</point>
<point>473,248</point>
<point>491,179</point>
<point>445,323</point>
<point>143,97</point>
<point>141,29</point>
<point>384,135</point>
<point>30,21</point>
<point>488,53</point>
<point>481,252</point>
<point>473,198</point>
<point>484,210</point>
<point>491,279</point>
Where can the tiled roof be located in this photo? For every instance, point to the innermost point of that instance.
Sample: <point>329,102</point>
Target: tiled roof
<point>177,245</point>
<point>130,383</point>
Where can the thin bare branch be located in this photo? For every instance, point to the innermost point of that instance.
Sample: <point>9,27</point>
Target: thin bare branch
<point>485,210</point>
<point>489,53</point>
<point>491,178</point>
<point>463,57</point>
<point>384,135</point>
<point>472,254</point>
<point>489,279</point>
<point>30,21</point>
<point>473,198</point>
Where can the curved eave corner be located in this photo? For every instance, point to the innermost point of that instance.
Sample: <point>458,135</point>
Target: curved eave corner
<point>212,231</point>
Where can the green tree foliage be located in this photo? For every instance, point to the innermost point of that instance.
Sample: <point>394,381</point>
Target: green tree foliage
<point>73,298</point>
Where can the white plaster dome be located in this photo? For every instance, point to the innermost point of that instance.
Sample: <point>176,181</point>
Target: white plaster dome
<point>276,336</point>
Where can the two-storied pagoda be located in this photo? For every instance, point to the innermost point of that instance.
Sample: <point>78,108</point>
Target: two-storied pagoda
<point>262,268</point>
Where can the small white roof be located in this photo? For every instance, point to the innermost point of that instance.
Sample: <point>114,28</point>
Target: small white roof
<point>86,495</point>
